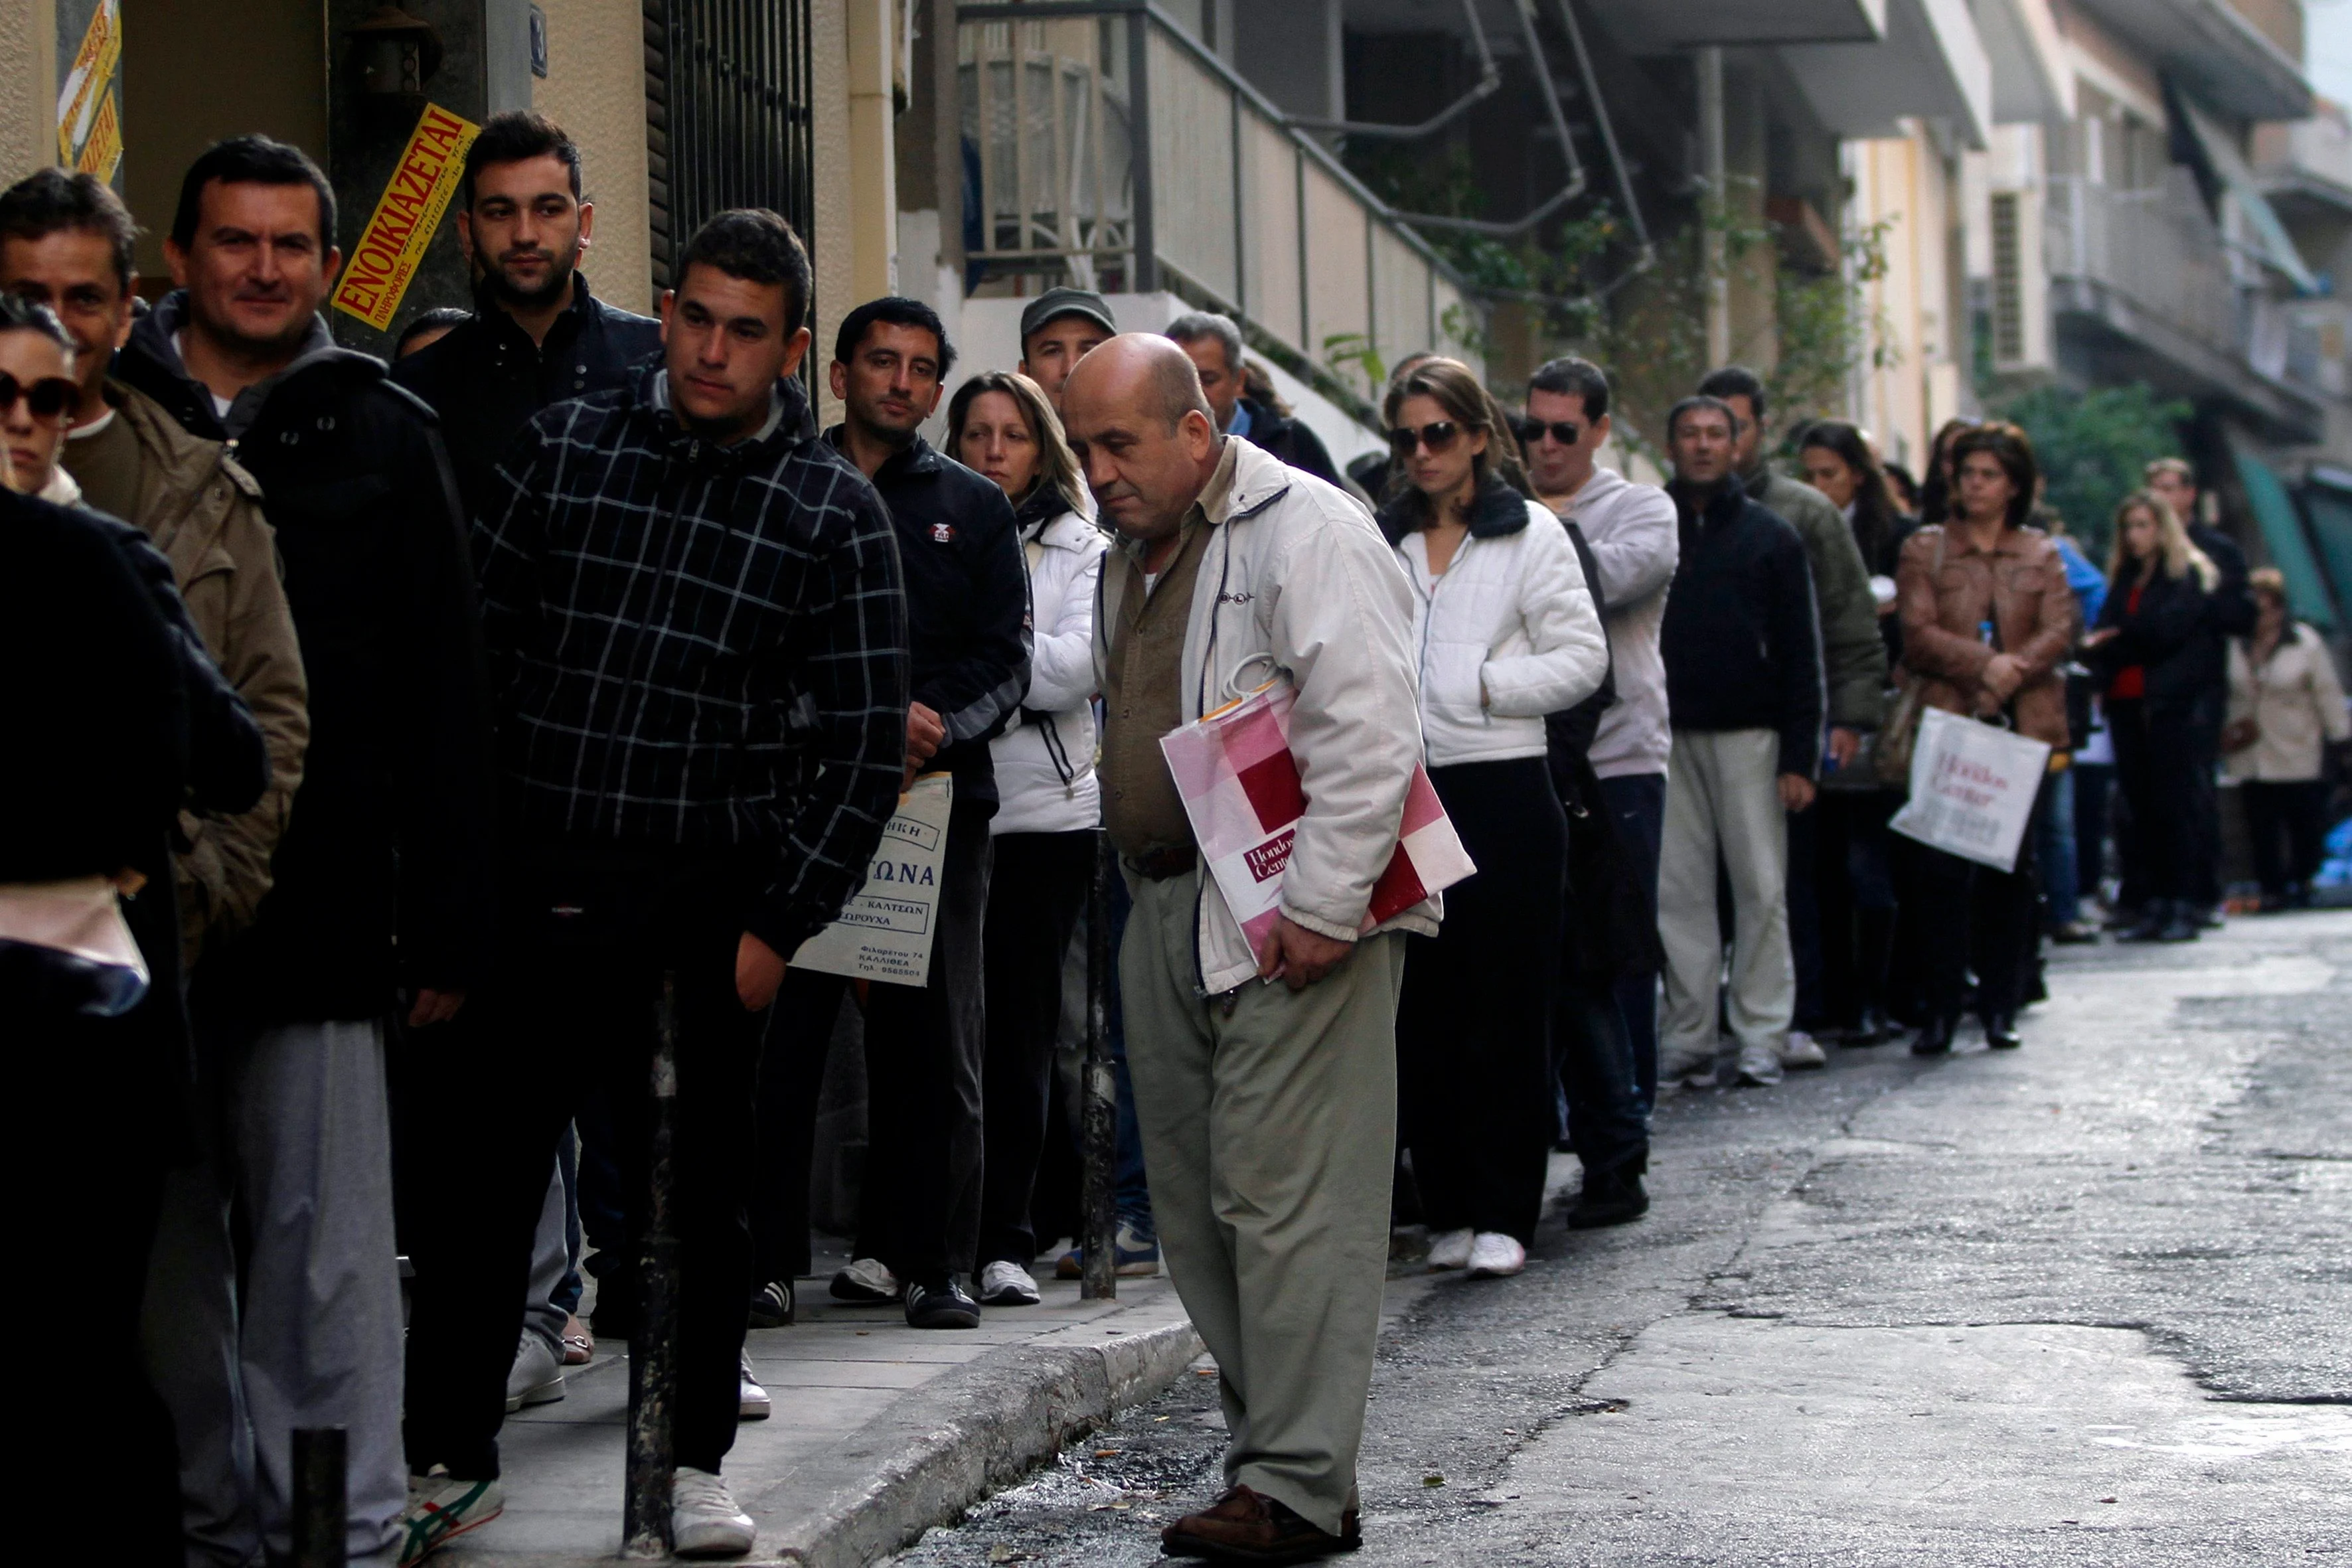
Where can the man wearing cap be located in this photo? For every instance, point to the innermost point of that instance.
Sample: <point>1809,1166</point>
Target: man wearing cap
<point>1057,330</point>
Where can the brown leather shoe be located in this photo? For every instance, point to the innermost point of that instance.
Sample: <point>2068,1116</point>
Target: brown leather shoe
<point>1247,1526</point>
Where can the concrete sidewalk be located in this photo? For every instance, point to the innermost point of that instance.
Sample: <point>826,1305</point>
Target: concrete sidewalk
<point>880,1431</point>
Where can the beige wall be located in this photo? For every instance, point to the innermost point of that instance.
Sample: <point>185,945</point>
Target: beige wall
<point>28,87</point>
<point>835,200</point>
<point>595,89</point>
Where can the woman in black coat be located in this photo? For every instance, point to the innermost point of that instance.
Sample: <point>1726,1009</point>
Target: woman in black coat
<point>2153,648</point>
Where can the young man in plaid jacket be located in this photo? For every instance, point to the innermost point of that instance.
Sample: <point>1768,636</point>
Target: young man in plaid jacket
<point>697,642</point>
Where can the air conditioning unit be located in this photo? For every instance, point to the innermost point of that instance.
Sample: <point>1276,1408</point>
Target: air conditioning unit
<point>2019,295</point>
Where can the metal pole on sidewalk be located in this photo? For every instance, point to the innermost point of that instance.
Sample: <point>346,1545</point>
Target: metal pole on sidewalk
<point>317,1522</point>
<point>653,1349</point>
<point>1100,1280</point>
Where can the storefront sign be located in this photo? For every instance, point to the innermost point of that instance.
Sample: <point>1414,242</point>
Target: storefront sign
<point>90,122</point>
<point>377,273</point>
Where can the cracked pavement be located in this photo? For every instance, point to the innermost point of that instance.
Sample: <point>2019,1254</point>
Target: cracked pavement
<point>2086,1303</point>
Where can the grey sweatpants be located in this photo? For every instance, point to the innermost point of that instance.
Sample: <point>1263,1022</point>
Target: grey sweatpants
<point>1270,1137</point>
<point>297,1136</point>
<point>550,1255</point>
<point>1723,798</point>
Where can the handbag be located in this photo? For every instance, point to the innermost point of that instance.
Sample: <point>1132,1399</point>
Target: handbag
<point>65,949</point>
<point>1890,759</point>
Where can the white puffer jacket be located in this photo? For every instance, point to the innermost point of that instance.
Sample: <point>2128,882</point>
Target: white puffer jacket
<point>1506,633</point>
<point>1045,779</point>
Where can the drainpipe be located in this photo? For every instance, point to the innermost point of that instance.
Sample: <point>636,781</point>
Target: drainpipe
<point>1709,62</point>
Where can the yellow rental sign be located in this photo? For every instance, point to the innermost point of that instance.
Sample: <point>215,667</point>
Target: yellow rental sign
<point>377,273</point>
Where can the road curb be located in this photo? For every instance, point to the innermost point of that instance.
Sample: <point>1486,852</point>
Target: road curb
<point>948,1445</point>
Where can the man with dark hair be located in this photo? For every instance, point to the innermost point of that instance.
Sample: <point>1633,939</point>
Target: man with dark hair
<point>65,241</point>
<point>1853,663</point>
<point>698,646</point>
<point>381,876</point>
<point>1214,343</point>
<point>1743,663</point>
<point>538,335</point>
<point>968,601</point>
<point>1059,328</point>
<point>2229,613</point>
<point>1630,529</point>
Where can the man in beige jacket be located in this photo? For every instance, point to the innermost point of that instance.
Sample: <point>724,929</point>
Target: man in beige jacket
<point>65,242</point>
<point>1264,1082</point>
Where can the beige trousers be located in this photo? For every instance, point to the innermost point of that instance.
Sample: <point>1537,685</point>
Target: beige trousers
<point>1269,1137</point>
<point>1723,797</point>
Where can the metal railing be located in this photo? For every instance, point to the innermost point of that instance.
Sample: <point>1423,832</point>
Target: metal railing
<point>1226,202</point>
<point>2156,247</point>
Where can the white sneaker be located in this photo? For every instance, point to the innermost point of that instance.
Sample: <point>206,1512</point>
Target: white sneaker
<point>703,1519</point>
<point>866,1279</point>
<point>1004,1284</point>
<point>537,1376</point>
<point>1449,1249</point>
<point>1801,1050</point>
<point>1494,1255</point>
<point>754,1404</point>
<point>1759,1066</point>
<point>440,1509</point>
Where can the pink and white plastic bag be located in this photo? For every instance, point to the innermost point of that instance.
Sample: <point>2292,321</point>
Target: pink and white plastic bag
<point>1242,793</point>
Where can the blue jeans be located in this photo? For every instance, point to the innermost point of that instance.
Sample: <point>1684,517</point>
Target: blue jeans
<point>2053,850</point>
<point>1638,801</point>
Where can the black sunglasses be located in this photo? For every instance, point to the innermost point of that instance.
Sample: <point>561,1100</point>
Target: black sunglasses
<point>1438,436</point>
<point>1532,431</point>
<point>51,398</point>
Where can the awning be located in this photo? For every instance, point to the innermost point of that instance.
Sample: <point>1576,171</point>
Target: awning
<point>2308,596</point>
<point>2220,171</point>
<point>2327,500</point>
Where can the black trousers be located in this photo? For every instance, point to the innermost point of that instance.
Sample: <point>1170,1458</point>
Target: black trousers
<point>2156,764</point>
<point>1595,1056</point>
<point>2204,868</point>
<point>1854,898</point>
<point>919,1207</point>
<point>1035,891</point>
<point>1638,802</point>
<point>1981,916</point>
<point>2290,815</point>
<point>1474,1049</point>
<point>584,984</point>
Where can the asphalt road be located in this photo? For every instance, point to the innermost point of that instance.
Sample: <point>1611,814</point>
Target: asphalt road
<point>2090,1303</point>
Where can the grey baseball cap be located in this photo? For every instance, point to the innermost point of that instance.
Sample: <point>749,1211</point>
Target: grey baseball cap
<point>1055,303</point>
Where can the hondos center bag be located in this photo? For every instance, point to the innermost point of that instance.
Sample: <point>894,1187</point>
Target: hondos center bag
<point>65,949</point>
<point>1972,788</point>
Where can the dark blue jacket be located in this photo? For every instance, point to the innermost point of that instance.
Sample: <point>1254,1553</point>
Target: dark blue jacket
<point>1741,640</point>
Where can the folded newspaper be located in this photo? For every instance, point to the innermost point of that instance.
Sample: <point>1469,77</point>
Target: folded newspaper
<point>1241,791</point>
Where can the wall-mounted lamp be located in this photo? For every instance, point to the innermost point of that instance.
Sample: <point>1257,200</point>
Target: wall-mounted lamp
<point>395,55</point>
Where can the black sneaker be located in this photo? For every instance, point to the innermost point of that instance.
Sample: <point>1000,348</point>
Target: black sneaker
<point>772,1305</point>
<point>940,1304</point>
<point>1610,1197</point>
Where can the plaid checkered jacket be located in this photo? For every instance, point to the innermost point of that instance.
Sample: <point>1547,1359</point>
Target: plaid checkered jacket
<point>696,645</point>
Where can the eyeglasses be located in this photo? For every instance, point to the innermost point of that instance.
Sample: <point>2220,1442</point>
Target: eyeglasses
<point>1438,436</point>
<point>1533,430</point>
<point>51,398</point>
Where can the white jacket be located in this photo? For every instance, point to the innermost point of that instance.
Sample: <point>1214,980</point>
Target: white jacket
<point>1506,633</point>
<point>1635,542</point>
<point>1298,583</point>
<point>1031,756</point>
<point>2296,704</point>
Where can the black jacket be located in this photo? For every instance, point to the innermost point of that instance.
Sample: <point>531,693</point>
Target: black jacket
<point>391,831</point>
<point>130,722</point>
<point>967,604</point>
<point>487,378</point>
<point>1289,438</point>
<point>2170,636</point>
<point>2229,613</point>
<point>1741,641</point>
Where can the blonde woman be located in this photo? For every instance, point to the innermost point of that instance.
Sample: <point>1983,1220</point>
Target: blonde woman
<point>2285,706</point>
<point>2153,647</point>
<point>1049,803</point>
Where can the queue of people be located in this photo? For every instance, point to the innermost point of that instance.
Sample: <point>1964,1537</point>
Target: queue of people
<point>475,719</point>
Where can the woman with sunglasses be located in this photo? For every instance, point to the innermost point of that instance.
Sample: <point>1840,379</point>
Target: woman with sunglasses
<point>1507,632</point>
<point>38,402</point>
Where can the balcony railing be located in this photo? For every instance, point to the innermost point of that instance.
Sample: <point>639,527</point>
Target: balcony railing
<point>1227,204</point>
<point>2157,251</point>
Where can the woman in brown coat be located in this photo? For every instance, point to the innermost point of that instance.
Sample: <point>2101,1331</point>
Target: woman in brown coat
<point>1986,620</point>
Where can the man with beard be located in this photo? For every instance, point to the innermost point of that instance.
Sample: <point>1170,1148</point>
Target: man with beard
<point>382,877</point>
<point>538,335</point>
